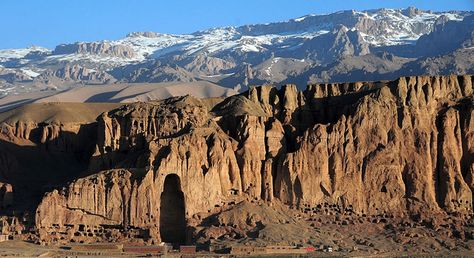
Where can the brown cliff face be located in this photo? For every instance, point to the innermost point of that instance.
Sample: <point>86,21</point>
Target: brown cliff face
<point>398,148</point>
<point>44,146</point>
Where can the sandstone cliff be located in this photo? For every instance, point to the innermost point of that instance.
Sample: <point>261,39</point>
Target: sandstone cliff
<point>398,148</point>
<point>44,145</point>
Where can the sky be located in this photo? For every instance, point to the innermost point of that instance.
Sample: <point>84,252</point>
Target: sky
<point>48,23</point>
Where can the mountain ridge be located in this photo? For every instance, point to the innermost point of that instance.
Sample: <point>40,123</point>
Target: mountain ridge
<point>303,50</point>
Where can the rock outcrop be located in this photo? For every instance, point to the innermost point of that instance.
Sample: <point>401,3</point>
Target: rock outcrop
<point>402,148</point>
<point>95,48</point>
<point>340,42</point>
<point>14,75</point>
<point>76,73</point>
<point>447,36</point>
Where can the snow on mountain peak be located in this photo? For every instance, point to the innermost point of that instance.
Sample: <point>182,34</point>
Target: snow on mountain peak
<point>20,52</point>
<point>381,27</point>
<point>302,18</point>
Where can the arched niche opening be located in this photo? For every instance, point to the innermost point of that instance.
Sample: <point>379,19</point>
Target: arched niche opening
<point>172,211</point>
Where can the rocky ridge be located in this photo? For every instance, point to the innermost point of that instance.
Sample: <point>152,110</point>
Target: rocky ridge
<point>395,149</point>
<point>75,73</point>
<point>95,48</point>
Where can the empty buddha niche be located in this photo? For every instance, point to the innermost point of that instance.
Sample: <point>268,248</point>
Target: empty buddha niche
<point>172,211</point>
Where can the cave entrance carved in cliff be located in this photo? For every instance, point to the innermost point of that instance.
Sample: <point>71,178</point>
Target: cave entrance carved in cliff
<point>172,211</point>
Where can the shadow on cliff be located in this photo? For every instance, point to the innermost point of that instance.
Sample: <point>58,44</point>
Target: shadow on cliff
<point>36,168</point>
<point>464,108</point>
<point>325,110</point>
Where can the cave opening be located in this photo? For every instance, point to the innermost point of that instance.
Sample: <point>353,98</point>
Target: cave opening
<point>172,211</point>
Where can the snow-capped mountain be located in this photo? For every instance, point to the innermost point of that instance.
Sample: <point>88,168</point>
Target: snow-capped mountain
<point>301,49</point>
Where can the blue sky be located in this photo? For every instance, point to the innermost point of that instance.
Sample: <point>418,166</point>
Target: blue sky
<point>51,22</point>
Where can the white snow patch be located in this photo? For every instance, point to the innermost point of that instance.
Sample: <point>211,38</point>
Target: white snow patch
<point>30,73</point>
<point>7,89</point>
<point>268,71</point>
<point>19,52</point>
<point>402,29</point>
<point>302,18</point>
<point>219,75</point>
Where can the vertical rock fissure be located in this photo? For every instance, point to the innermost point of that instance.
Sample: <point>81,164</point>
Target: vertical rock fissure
<point>125,207</point>
<point>439,167</point>
<point>467,157</point>
<point>262,179</point>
